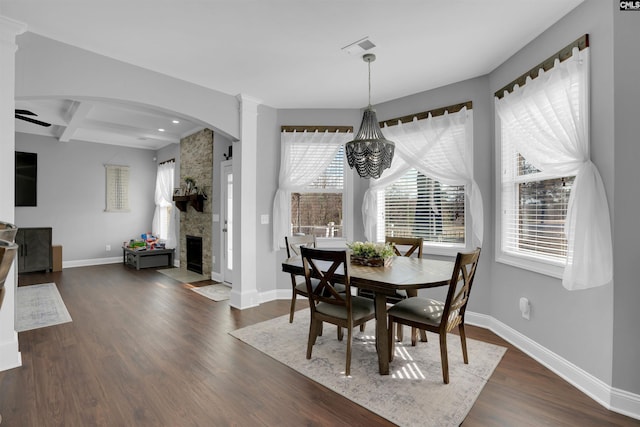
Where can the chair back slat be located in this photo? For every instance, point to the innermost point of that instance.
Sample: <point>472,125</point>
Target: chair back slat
<point>325,265</point>
<point>414,243</point>
<point>460,288</point>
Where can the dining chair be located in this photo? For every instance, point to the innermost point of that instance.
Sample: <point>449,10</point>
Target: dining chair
<point>329,304</point>
<point>402,246</point>
<point>437,316</point>
<point>298,284</point>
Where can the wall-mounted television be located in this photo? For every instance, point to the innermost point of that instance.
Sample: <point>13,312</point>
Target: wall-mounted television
<point>26,179</point>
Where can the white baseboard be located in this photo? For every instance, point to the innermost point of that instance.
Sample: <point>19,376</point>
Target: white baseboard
<point>92,261</point>
<point>616,400</point>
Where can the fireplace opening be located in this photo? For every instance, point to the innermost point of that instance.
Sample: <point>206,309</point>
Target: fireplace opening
<point>194,254</point>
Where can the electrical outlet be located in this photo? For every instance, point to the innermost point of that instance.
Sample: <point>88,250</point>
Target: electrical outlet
<point>108,248</point>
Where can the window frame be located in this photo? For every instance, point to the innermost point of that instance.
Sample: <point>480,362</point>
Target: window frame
<point>548,267</point>
<point>347,204</point>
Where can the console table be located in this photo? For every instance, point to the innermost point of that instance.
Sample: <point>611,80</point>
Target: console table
<point>148,258</point>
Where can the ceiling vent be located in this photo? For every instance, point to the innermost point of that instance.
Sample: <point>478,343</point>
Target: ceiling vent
<point>359,46</point>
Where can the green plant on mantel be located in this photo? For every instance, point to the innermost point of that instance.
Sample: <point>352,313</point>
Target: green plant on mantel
<point>371,249</point>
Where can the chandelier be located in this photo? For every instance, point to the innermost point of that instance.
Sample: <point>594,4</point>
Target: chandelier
<point>370,153</point>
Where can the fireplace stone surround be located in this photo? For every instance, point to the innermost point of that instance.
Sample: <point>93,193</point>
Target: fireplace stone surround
<point>196,161</point>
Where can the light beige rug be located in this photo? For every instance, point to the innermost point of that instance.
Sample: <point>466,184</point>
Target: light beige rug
<point>217,292</point>
<point>183,275</point>
<point>413,395</point>
<point>38,306</point>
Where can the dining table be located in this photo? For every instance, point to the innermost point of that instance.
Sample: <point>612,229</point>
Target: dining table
<point>404,273</point>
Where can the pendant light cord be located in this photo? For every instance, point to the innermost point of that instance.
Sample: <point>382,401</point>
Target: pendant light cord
<point>369,63</point>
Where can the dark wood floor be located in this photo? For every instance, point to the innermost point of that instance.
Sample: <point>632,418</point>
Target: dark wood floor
<point>144,350</point>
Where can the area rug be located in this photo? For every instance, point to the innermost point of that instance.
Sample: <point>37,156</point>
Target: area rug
<point>183,275</point>
<point>38,306</point>
<point>217,292</point>
<point>412,395</point>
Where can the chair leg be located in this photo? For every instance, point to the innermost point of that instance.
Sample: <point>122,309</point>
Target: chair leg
<point>463,341</point>
<point>362,327</point>
<point>391,340</point>
<point>399,332</point>
<point>293,307</point>
<point>340,334</point>
<point>347,370</point>
<point>444,358</point>
<point>313,334</point>
<point>423,335</point>
<point>414,336</point>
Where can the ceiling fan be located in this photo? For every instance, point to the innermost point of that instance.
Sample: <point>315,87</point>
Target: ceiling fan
<point>21,114</point>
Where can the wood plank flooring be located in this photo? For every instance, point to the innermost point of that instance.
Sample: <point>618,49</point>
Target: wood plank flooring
<point>144,350</point>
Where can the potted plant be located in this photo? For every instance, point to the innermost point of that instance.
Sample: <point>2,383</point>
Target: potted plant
<point>371,254</point>
<point>190,185</point>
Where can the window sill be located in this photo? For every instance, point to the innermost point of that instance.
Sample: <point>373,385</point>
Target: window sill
<point>527,263</point>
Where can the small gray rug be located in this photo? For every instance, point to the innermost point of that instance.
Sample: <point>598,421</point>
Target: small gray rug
<point>413,395</point>
<point>38,306</point>
<point>183,275</point>
<point>217,292</point>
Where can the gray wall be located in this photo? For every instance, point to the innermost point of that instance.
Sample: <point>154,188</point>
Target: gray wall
<point>626,256</point>
<point>577,325</point>
<point>71,196</point>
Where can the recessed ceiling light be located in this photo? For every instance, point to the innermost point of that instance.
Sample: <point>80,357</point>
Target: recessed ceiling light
<point>175,122</point>
<point>160,130</point>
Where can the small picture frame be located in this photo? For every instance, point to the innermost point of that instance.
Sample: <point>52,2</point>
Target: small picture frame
<point>177,192</point>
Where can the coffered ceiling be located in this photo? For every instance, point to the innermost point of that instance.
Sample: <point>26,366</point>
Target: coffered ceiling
<point>285,53</point>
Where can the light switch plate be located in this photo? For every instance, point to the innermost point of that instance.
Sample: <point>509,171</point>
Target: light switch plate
<point>264,219</point>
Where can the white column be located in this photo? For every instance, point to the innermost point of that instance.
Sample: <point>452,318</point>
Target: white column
<point>9,29</point>
<point>245,292</point>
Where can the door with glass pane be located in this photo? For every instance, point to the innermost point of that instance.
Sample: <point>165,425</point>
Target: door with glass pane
<point>227,222</point>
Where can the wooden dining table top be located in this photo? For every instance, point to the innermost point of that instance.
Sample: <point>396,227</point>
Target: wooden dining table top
<point>403,273</point>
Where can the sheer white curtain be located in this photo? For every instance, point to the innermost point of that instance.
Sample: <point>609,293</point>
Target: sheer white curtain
<point>304,156</point>
<point>164,199</point>
<point>556,105</point>
<point>440,148</point>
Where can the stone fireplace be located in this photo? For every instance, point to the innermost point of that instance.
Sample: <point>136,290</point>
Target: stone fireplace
<point>196,161</point>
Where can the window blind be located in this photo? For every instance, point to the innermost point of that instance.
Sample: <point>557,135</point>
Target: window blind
<point>418,206</point>
<point>534,205</point>
<point>117,191</point>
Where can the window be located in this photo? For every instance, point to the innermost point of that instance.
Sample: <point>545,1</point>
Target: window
<point>163,225</point>
<point>553,212</point>
<point>117,191</point>
<point>312,195</point>
<point>429,190</point>
<point>418,206</point>
<point>534,207</point>
<point>317,209</point>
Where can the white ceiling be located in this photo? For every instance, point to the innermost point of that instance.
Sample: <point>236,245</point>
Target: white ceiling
<point>285,53</point>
